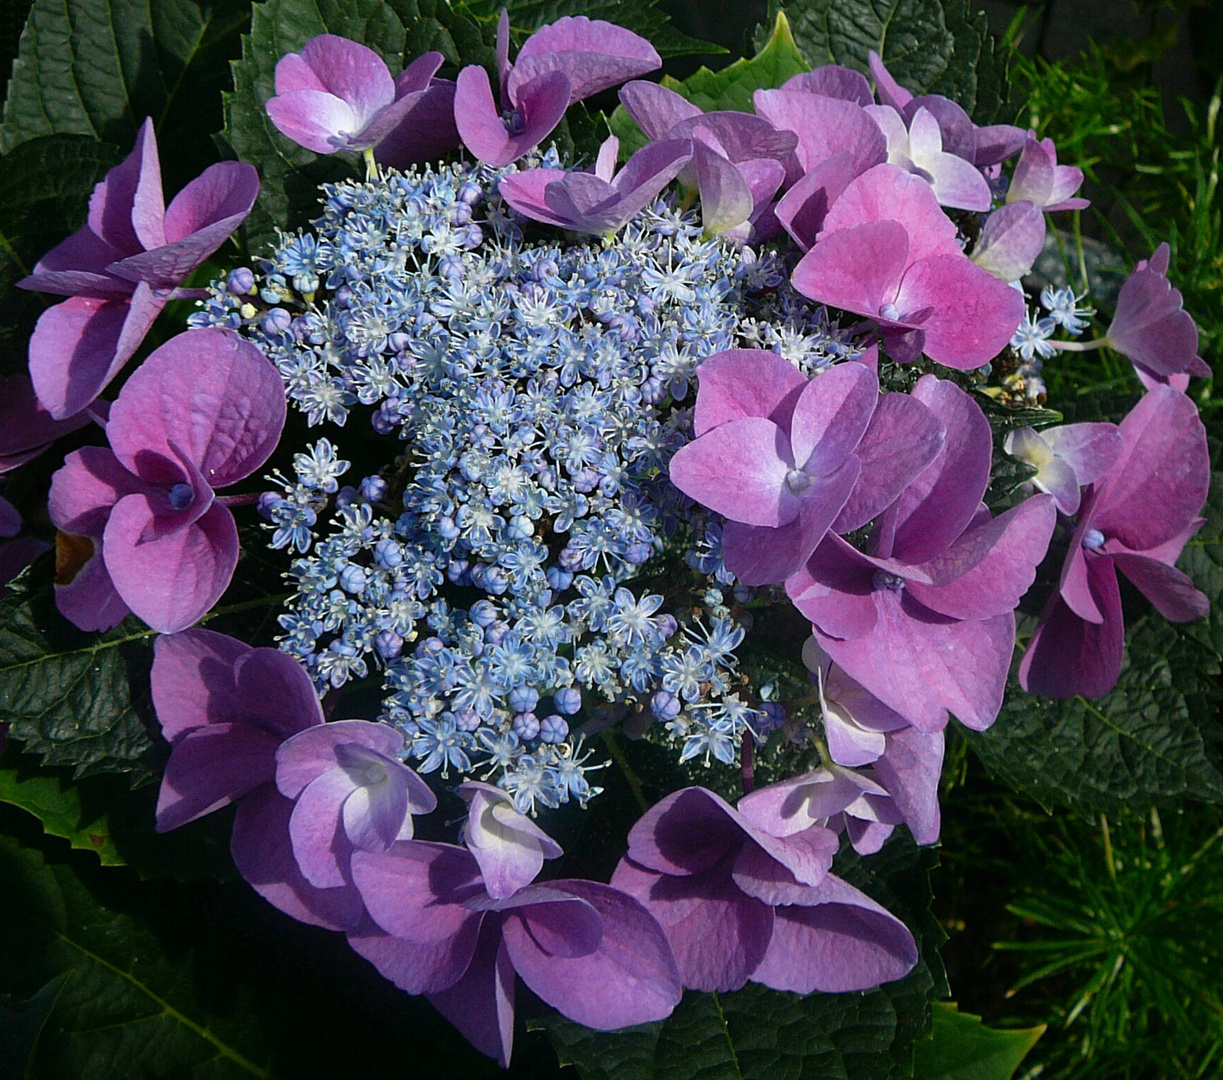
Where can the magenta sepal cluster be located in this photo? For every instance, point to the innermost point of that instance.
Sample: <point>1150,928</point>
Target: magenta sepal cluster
<point>1152,328</point>
<point>785,458</point>
<point>560,63</point>
<point>204,411</point>
<point>323,831</point>
<point>1136,518</point>
<point>924,617</point>
<point>123,266</point>
<point>337,95</point>
<point>743,895</point>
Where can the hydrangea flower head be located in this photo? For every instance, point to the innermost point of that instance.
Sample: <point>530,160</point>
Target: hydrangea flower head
<point>924,620</point>
<point>204,411</point>
<point>1136,518</point>
<point>350,791</point>
<point>560,63</point>
<point>740,903</point>
<point>119,269</point>
<point>433,927</point>
<point>889,252</point>
<point>1151,326</point>
<point>337,95</point>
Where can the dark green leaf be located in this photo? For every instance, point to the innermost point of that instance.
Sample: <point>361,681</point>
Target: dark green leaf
<point>21,1025</point>
<point>929,46</point>
<point>1146,743</point>
<point>99,67</point>
<point>761,1034</point>
<point>127,1009</point>
<point>74,698</point>
<point>960,1047</point>
<point>55,800</point>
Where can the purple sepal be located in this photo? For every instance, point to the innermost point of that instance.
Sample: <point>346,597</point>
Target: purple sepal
<point>1151,326</point>
<point>1011,239</point>
<point>1041,180</point>
<point>26,428</point>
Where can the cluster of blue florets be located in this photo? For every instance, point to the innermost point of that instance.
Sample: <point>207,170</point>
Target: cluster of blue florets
<point>1032,340</point>
<point>507,568</point>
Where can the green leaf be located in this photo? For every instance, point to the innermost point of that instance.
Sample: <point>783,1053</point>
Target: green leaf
<point>74,698</point>
<point>99,67</point>
<point>126,1007</point>
<point>929,46</point>
<point>776,60</point>
<point>762,1034</point>
<point>21,1025</point>
<point>55,800</point>
<point>1146,743</point>
<point>960,1047</point>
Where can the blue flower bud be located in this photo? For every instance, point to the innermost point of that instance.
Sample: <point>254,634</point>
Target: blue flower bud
<point>525,725</point>
<point>374,489</point>
<point>353,578</point>
<point>241,282</point>
<point>553,729</point>
<point>567,700</point>
<point>388,554</point>
<point>523,699</point>
<point>389,645</point>
<point>665,706</point>
<point>484,613</point>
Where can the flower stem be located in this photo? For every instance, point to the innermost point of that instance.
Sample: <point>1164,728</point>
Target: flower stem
<point>249,499</point>
<point>1080,346</point>
<point>746,774</point>
<point>621,760</point>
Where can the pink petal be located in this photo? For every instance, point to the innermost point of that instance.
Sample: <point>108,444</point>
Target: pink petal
<point>833,81</point>
<point>89,601</point>
<point>80,345</point>
<point>803,209</point>
<point>889,90</point>
<point>541,104</point>
<point>210,768</point>
<point>414,966</point>
<point>193,681</point>
<point>211,392</point>
<point>987,570</point>
<point>320,845</point>
<point>594,55</point>
<point>275,691</point>
<point>846,943</point>
<point>525,192</point>
<point>293,73</point>
<point>352,72</point>
<point>1089,449</point>
<point>890,193</point>
<point>126,209</point>
<point>717,934</point>
<point>656,109</point>
<point>857,268</point>
<point>423,131</point>
<point>833,589</point>
<point>910,769</point>
<point>77,267</point>
<point>939,504</point>
<point>316,120</point>
<point>831,416</point>
<point>173,580</point>
<point>739,469</point>
<point>418,74</point>
<point>481,1003</point>
<point>923,665</point>
<point>83,492</point>
<point>903,438</point>
<point>975,315</point>
<point>26,428</point>
<point>1172,593</point>
<point>1011,239</point>
<point>725,198</point>
<point>824,126</point>
<point>1067,655</point>
<point>264,857</point>
<point>746,382</point>
<point>315,751</point>
<point>758,555</point>
<point>630,978</point>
